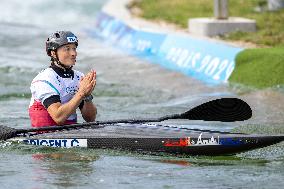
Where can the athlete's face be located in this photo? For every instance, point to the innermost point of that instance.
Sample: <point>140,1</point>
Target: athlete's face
<point>67,54</point>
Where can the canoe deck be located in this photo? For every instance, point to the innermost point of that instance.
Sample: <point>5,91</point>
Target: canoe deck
<point>155,138</point>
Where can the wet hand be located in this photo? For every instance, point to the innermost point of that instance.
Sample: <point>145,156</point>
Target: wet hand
<point>88,83</point>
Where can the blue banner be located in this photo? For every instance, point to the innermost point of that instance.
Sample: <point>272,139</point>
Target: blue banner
<point>209,61</point>
<point>147,43</point>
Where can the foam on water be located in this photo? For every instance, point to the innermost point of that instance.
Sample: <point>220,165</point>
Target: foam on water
<point>49,13</point>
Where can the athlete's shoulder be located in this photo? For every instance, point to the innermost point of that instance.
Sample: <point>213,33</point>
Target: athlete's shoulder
<point>47,74</point>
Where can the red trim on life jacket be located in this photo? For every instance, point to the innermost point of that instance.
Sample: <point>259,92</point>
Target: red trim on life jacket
<point>40,117</point>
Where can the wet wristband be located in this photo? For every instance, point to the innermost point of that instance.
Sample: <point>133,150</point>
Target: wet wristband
<point>88,98</point>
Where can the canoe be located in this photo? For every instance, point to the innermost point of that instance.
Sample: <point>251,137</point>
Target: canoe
<point>153,138</point>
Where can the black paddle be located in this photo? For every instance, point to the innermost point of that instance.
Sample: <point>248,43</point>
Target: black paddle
<point>223,109</point>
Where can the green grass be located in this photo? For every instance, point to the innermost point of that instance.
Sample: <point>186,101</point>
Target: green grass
<point>175,11</point>
<point>259,68</point>
<point>270,25</point>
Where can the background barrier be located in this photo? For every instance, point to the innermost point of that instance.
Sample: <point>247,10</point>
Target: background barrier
<point>208,61</point>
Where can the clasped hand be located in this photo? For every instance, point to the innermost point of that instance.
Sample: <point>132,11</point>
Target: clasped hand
<point>87,83</point>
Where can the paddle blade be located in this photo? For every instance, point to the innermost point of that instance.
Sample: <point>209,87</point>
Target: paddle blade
<point>223,109</point>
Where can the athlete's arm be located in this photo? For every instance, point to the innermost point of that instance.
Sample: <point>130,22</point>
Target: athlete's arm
<point>89,111</point>
<point>60,112</point>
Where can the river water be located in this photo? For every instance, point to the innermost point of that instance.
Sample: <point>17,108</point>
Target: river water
<point>127,87</point>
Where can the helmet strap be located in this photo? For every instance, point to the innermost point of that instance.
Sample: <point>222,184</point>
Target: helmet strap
<point>56,61</point>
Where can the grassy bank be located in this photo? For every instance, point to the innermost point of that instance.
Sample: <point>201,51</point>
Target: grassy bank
<point>260,68</point>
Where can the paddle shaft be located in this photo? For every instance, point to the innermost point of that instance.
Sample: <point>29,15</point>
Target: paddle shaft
<point>91,124</point>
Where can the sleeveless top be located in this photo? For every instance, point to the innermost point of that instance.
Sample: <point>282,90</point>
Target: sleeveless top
<point>50,86</point>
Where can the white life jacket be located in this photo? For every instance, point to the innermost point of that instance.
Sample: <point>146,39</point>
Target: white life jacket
<point>50,86</point>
